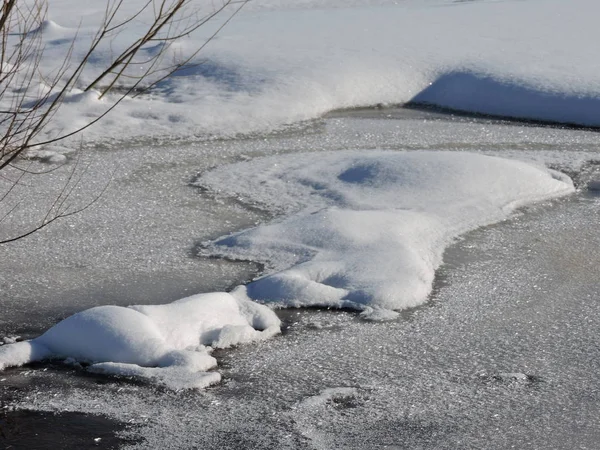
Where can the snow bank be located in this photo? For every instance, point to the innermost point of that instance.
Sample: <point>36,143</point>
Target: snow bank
<point>367,230</point>
<point>487,94</point>
<point>166,343</point>
<point>279,63</point>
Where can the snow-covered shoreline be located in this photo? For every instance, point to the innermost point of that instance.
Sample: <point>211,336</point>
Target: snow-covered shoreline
<point>276,66</point>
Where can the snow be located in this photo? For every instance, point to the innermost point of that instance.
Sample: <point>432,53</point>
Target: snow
<point>165,343</point>
<point>362,229</point>
<point>487,94</point>
<point>367,229</point>
<point>278,64</point>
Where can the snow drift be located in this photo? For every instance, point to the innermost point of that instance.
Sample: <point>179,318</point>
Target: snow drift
<point>278,64</point>
<point>487,94</point>
<point>167,343</point>
<point>367,230</point>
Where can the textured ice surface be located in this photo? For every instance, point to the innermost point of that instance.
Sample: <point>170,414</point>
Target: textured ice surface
<point>120,252</point>
<point>141,340</point>
<point>133,247</point>
<point>518,298</point>
<point>367,231</point>
<point>526,306</point>
<point>368,228</point>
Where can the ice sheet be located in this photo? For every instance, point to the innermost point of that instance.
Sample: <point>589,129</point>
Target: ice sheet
<point>518,298</point>
<point>362,229</point>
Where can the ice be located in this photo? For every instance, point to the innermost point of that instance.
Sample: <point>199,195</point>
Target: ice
<point>141,340</point>
<point>594,185</point>
<point>174,377</point>
<point>328,396</point>
<point>513,376</point>
<point>363,230</point>
<point>418,375</point>
<point>367,229</point>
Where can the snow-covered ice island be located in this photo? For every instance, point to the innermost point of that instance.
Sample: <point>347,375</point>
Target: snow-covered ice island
<point>262,193</point>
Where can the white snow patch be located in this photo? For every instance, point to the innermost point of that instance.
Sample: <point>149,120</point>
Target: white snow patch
<point>166,343</point>
<point>333,54</point>
<point>9,340</point>
<point>517,98</point>
<point>47,156</point>
<point>49,27</point>
<point>367,229</point>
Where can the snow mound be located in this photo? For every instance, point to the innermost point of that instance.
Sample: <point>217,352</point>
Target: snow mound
<point>367,230</point>
<point>486,94</point>
<point>166,343</point>
<point>48,26</point>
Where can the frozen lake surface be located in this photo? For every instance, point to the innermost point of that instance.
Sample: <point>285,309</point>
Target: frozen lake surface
<point>503,354</point>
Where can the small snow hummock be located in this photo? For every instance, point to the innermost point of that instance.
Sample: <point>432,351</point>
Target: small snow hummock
<point>168,343</point>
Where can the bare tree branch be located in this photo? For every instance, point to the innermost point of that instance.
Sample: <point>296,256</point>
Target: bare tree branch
<point>31,97</point>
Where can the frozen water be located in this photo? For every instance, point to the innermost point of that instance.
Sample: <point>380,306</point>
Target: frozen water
<point>420,376</point>
<point>119,253</point>
<point>368,233</point>
<point>431,380</point>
